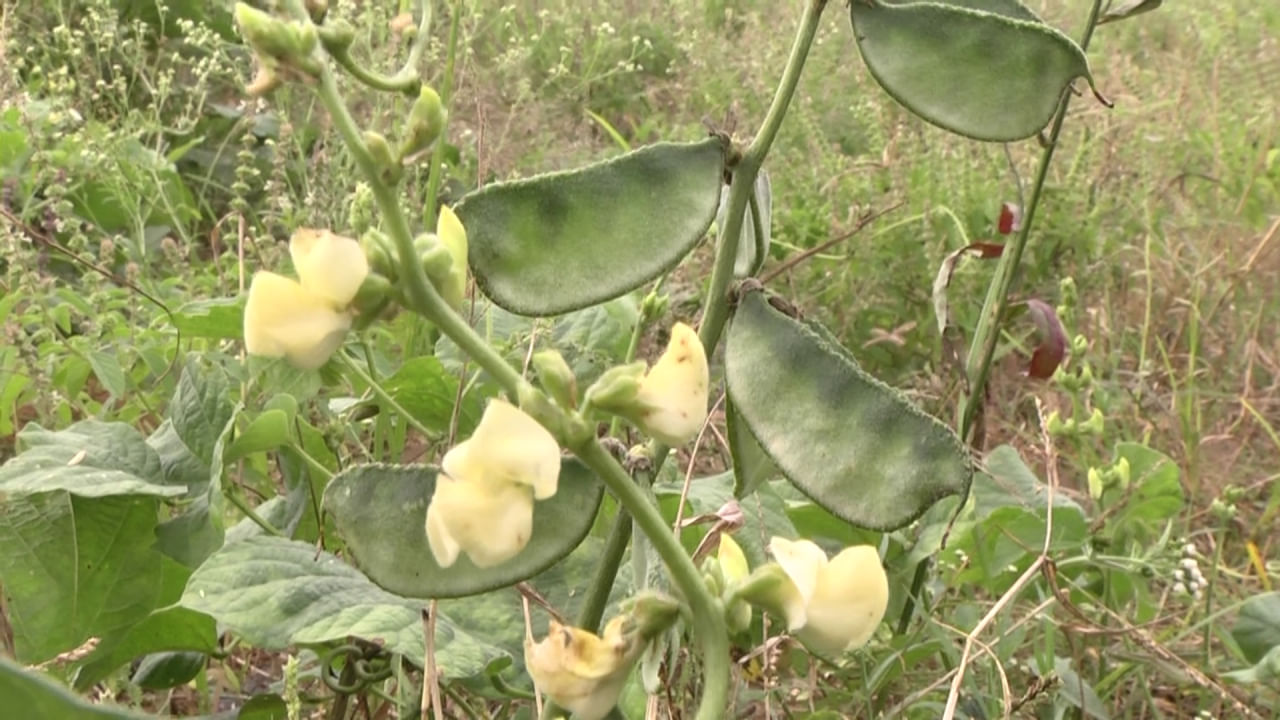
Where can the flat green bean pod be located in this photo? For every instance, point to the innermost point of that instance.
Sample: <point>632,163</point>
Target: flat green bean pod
<point>985,69</point>
<point>856,446</point>
<point>380,512</point>
<point>559,242</point>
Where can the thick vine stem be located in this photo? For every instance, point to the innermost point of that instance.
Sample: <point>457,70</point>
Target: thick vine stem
<point>744,178</point>
<point>708,613</point>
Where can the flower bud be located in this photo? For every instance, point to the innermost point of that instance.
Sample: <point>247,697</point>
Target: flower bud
<point>1094,425</point>
<point>426,121</point>
<point>379,251</point>
<point>1097,485</point>
<point>732,563</point>
<point>372,296</point>
<point>337,36</point>
<point>389,169</point>
<point>616,388</point>
<point>453,288</point>
<point>556,377</point>
<point>290,43</point>
<point>1122,473</point>
<point>651,613</point>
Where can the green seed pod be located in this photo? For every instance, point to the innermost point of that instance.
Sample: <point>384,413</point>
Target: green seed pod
<point>556,377</point>
<point>426,122</point>
<point>564,241</point>
<point>854,445</point>
<point>985,69</point>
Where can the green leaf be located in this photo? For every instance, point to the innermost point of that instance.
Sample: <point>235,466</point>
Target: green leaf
<point>1076,691</point>
<point>76,567</point>
<point>166,629</point>
<point>268,431</point>
<point>164,670</point>
<point>264,707</point>
<point>380,511</point>
<point>751,465</point>
<point>217,318</point>
<point>39,696</point>
<point>107,368</point>
<point>1008,482</point>
<point>89,459</point>
<point>1155,493</point>
<point>1257,628</point>
<point>997,546</point>
<point>201,408</point>
<point>853,444</point>
<point>980,69</point>
<point>277,592</point>
<point>1266,670</point>
<point>1126,9</point>
<point>563,241</point>
<point>764,514</point>
<point>424,388</point>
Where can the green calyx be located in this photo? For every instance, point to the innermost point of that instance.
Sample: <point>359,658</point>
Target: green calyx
<point>427,119</point>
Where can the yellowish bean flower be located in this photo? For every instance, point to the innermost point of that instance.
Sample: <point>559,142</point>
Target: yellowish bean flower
<point>581,671</point>
<point>673,394</point>
<point>831,605</point>
<point>305,320</point>
<point>483,502</point>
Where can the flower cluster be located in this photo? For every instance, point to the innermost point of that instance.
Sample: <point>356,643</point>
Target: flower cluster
<point>483,502</point>
<point>305,320</point>
<point>1187,578</point>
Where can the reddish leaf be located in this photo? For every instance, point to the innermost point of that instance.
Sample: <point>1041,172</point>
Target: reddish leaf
<point>981,250</point>
<point>1053,340</point>
<point>1010,218</point>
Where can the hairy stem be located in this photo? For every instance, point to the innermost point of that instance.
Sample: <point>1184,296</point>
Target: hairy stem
<point>436,173</point>
<point>978,364</point>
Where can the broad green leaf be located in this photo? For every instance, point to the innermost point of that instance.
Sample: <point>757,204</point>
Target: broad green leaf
<point>563,241</point>
<point>751,465</point>
<point>76,567</point>
<point>1009,482</point>
<point>979,69</point>
<point>997,547</point>
<point>166,629</point>
<point>428,391</point>
<point>1266,670</point>
<point>89,459</point>
<point>380,511</point>
<point>108,371</point>
<point>277,592</point>
<point>268,431</point>
<point>1155,493</point>
<point>41,697</point>
<point>1126,9</point>
<point>164,670</point>
<point>1257,627</point>
<point>218,318</point>
<point>200,407</point>
<point>264,707</point>
<point>853,444</point>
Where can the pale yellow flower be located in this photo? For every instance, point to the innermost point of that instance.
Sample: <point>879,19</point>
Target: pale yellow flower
<point>833,605</point>
<point>733,566</point>
<point>306,321</point>
<point>328,265</point>
<point>580,671</point>
<point>672,399</point>
<point>283,319</point>
<point>454,238</point>
<point>483,502</point>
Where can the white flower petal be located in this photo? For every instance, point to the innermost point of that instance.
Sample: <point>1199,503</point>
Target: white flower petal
<point>512,447</point>
<point>848,602</point>
<point>490,524</point>
<point>802,560</point>
<point>329,265</point>
<point>283,319</point>
<point>673,394</point>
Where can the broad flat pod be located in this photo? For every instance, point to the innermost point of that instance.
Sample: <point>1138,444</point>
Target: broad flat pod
<point>856,446</point>
<point>563,241</point>
<point>379,511</point>
<point>986,69</point>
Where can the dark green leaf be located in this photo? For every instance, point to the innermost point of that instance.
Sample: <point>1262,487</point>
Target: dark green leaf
<point>751,465</point>
<point>853,444</point>
<point>380,511</point>
<point>424,388</point>
<point>76,567</point>
<point>979,69</point>
<point>89,459</point>
<point>268,431</point>
<point>1009,482</point>
<point>164,670</point>
<point>1257,628</point>
<point>764,514</point>
<point>277,592</point>
<point>108,371</point>
<point>1266,670</point>
<point>1155,493</point>
<point>264,707</point>
<point>170,628</point>
<point>39,697</point>
<point>563,241</point>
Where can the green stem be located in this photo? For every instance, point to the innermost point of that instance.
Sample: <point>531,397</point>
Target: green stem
<point>354,368</point>
<point>708,614</point>
<point>250,513</point>
<point>978,364</point>
<point>407,80</point>
<point>598,595</point>
<point>744,178</point>
<point>436,173</point>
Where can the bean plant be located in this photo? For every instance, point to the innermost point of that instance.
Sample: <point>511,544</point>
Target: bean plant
<point>549,458</point>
